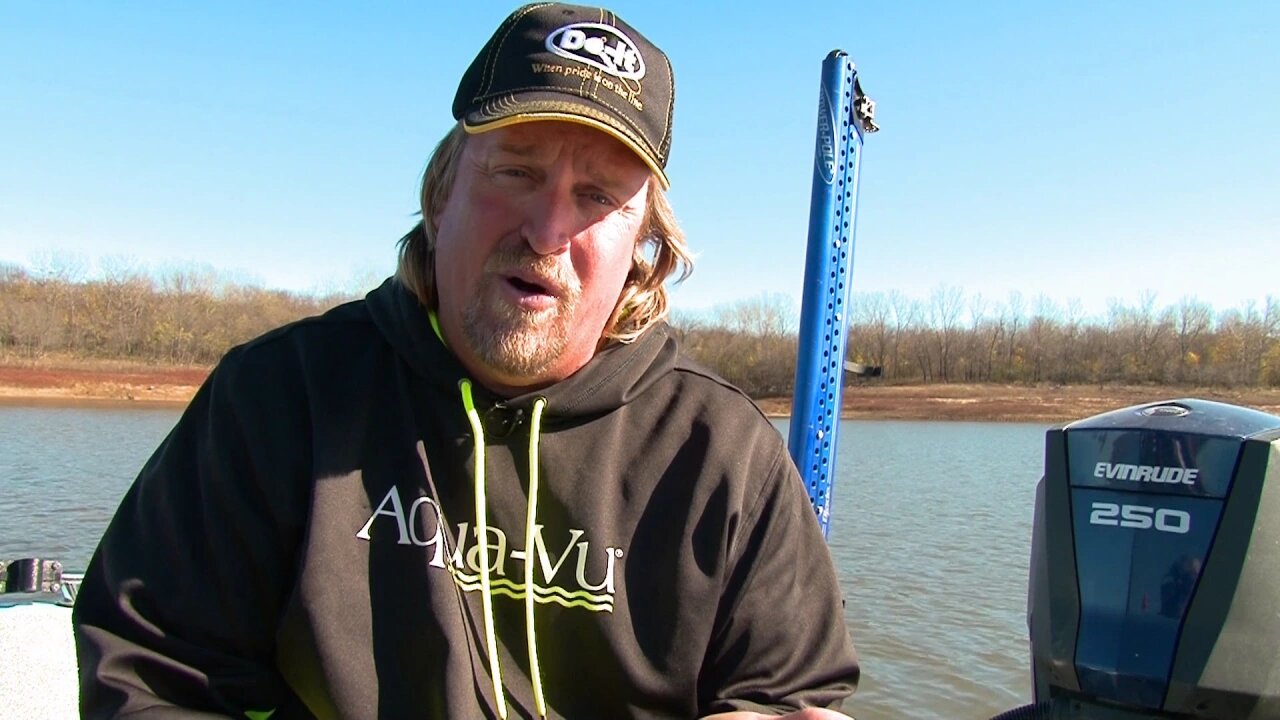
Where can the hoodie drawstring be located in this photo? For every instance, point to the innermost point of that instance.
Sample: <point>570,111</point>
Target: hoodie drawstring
<point>535,428</point>
<point>482,531</point>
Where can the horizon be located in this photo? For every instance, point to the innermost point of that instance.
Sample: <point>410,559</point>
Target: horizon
<point>1089,154</point>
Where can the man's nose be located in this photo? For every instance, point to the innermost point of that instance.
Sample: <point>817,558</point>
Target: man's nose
<point>551,219</point>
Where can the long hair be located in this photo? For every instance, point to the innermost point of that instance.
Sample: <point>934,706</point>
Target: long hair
<point>660,253</point>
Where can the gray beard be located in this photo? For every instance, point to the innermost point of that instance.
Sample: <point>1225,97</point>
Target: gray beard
<point>514,342</point>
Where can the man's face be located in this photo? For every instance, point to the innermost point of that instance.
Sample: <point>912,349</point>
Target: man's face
<point>533,247</point>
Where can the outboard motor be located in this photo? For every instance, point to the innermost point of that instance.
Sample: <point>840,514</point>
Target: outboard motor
<point>1155,565</point>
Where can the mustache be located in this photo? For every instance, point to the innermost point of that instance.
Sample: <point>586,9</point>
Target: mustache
<point>549,272</point>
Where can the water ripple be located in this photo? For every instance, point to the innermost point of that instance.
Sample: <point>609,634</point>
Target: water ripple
<point>931,534</point>
<point>63,472</point>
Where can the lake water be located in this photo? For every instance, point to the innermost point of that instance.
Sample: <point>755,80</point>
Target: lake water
<point>931,528</point>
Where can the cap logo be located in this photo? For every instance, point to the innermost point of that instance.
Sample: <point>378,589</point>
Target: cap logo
<point>600,46</point>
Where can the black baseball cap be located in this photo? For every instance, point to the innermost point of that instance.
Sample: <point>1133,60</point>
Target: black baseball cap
<point>579,64</point>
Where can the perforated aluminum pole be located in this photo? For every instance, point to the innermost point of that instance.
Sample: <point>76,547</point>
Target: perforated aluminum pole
<point>844,115</point>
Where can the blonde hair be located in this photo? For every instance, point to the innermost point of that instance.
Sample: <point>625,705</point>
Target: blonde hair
<point>660,252</point>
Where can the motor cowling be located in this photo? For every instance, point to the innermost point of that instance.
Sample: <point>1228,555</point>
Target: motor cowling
<point>1155,564</point>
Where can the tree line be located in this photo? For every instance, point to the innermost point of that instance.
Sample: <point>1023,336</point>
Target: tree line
<point>182,317</point>
<point>191,318</point>
<point>954,338</point>
<point>951,337</point>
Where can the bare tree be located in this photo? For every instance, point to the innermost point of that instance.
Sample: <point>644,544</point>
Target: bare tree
<point>945,305</point>
<point>903,314</point>
<point>1192,320</point>
<point>871,331</point>
<point>1012,319</point>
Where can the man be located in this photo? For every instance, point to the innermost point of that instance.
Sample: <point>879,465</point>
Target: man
<point>493,488</point>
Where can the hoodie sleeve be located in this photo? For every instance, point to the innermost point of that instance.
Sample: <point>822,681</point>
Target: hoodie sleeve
<point>177,613</point>
<point>780,642</point>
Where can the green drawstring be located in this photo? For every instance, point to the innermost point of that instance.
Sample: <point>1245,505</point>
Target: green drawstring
<point>535,675</point>
<point>435,325</point>
<point>482,531</point>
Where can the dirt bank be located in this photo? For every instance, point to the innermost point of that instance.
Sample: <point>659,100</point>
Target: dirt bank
<point>99,382</point>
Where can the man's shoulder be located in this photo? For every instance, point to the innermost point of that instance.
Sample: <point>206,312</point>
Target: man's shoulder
<point>330,339</point>
<point>317,333</point>
<point>707,385</point>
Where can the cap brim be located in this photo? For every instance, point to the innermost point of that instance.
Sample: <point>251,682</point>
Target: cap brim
<point>514,110</point>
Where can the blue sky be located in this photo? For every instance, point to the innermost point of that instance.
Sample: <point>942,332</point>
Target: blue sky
<point>1082,151</point>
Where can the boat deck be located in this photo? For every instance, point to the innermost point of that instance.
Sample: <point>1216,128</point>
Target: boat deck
<point>38,675</point>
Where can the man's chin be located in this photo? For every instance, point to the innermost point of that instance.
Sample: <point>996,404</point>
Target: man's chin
<point>521,354</point>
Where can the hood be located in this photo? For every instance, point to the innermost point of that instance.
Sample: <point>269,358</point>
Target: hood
<point>614,377</point>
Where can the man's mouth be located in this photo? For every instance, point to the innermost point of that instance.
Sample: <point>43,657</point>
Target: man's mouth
<point>529,282</point>
<point>534,291</point>
<point>529,287</point>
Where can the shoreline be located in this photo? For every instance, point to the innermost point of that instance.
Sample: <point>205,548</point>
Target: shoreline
<point>82,383</point>
<point>89,383</point>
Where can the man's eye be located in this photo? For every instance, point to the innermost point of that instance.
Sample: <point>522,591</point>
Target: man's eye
<point>513,172</point>
<point>600,199</point>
